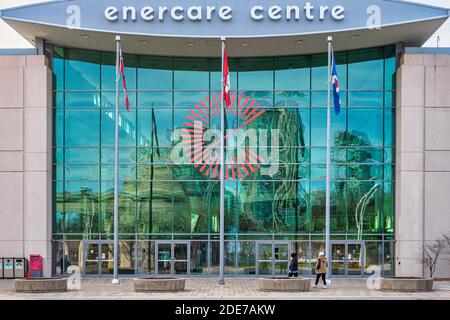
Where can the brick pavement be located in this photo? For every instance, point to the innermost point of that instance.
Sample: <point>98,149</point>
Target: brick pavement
<point>234,289</point>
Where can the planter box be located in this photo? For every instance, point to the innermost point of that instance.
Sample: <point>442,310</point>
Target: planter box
<point>159,284</point>
<point>284,284</point>
<point>406,284</point>
<point>44,285</point>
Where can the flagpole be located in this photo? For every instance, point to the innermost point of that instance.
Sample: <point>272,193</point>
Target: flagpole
<point>222,173</point>
<point>328,196</point>
<point>116,170</point>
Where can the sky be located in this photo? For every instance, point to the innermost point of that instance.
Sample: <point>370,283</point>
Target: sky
<point>10,39</point>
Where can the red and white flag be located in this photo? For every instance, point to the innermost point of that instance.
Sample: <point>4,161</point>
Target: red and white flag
<point>124,81</point>
<point>226,79</point>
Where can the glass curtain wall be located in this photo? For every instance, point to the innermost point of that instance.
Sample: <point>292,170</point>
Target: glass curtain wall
<point>164,201</point>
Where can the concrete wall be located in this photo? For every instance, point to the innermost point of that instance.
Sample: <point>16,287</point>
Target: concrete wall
<point>25,157</point>
<point>423,160</point>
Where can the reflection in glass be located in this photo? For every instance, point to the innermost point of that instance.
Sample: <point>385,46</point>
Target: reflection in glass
<point>160,200</point>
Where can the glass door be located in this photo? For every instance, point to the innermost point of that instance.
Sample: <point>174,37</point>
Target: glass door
<point>172,258</point>
<point>281,258</point>
<point>107,258</point>
<point>347,258</point>
<point>273,257</point>
<point>163,258</point>
<point>354,259</point>
<point>338,259</point>
<point>264,252</point>
<point>181,259</point>
<point>98,258</point>
<point>91,258</point>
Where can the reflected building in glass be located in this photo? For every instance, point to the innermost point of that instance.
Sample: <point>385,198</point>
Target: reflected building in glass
<point>169,213</point>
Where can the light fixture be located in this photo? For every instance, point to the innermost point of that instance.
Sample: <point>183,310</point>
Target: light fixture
<point>299,41</point>
<point>245,44</point>
<point>85,36</point>
<point>355,36</point>
<point>144,42</point>
<point>190,44</point>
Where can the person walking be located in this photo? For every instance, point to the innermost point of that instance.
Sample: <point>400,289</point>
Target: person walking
<point>293,266</point>
<point>321,270</point>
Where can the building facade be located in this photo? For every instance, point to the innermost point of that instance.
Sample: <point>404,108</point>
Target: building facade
<point>389,155</point>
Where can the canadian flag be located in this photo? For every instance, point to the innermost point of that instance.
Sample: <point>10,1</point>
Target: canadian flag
<point>226,79</point>
<point>124,81</point>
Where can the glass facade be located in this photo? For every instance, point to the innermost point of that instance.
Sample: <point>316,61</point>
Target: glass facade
<point>169,213</point>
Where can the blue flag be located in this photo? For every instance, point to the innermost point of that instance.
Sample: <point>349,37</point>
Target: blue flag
<point>335,82</point>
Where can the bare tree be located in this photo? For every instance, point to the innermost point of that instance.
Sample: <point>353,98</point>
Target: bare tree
<point>432,253</point>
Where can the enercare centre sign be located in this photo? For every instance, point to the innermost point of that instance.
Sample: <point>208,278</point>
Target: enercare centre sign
<point>292,12</point>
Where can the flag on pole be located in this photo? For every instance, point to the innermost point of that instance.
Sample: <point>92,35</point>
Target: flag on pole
<point>155,133</point>
<point>124,81</point>
<point>226,79</point>
<point>335,82</point>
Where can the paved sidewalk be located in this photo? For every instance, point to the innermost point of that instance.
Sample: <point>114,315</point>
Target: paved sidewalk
<point>234,289</point>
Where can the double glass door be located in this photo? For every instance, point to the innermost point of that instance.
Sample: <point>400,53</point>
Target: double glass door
<point>172,258</point>
<point>272,257</point>
<point>347,258</point>
<point>98,258</point>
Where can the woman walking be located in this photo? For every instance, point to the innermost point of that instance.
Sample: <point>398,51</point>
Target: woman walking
<point>321,270</point>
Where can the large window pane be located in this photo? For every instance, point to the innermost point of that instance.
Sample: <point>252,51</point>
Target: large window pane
<point>82,127</point>
<point>83,70</point>
<point>365,127</point>
<point>365,70</point>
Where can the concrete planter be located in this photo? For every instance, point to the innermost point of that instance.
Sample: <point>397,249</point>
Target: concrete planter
<point>284,284</point>
<point>406,284</point>
<point>42,285</point>
<point>159,284</point>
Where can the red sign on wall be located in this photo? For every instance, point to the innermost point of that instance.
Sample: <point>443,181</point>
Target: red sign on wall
<point>36,262</point>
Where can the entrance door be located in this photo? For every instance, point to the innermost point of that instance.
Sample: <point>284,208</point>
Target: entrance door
<point>272,257</point>
<point>347,258</point>
<point>172,258</point>
<point>98,258</point>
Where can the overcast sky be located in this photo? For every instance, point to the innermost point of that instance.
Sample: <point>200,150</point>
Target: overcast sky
<point>10,39</point>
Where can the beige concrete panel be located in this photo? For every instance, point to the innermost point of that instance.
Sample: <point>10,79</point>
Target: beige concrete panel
<point>437,161</point>
<point>11,208</point>
<point>443,60</point>
<point>37,60</point>
<point>409,161</point>
<point>437,204</point>
<point>410,129</point>
<point>437,122</point>
<point>12,61</point>
<point>429,59</point>
<point>11,87</point>
<point>36,86</point>
<point>409,206</point>
<point>408,258</point>
<point>37,209</point>
<point>412,59</point>
<point>11,129</point>
<point>37,133</point>
<point>11,161</point>
<point>437,86</point>
<point>11,248</point>
<point>442,92</point>
<point>37,161</point>
<point>412,83</point>
<point>430,86</point>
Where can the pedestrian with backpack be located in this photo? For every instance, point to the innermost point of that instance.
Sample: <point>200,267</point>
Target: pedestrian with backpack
<point>293,266</point>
